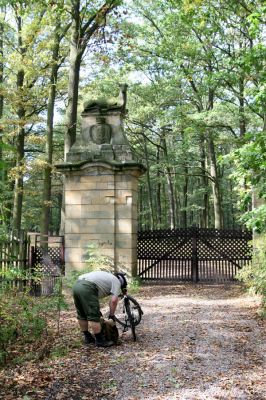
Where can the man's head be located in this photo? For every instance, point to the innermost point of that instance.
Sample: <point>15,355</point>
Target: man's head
<point>122,279</point>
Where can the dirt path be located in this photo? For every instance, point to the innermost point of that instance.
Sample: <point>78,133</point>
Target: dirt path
<point>195,342</point>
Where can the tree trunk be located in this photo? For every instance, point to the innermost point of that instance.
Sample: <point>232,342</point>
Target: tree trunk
<point>215,184</point>
<point>241,99</point>
<point>2,170</point>
<point>158,192</point>
<point>171,197</point>
<point>170,188</point>
<point>140,209</point>
<point>185,192</point>
<point>73,79</point>
<point>185,199</point>
<point>18,189</point>
<point>214,170</point>
<point>20,139</point>
<point>204,184</point>
<point>150,192</point>
<point>80,37</point>
<point>47,179</point>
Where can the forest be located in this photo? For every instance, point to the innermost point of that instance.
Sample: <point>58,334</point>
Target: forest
<point>196,120</point>
<point>196,105</point>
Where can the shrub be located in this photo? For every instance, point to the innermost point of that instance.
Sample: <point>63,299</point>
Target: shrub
<point>134,285</point>
<point>254,274</point>
<point>24,319</point>
<point>95,261</point>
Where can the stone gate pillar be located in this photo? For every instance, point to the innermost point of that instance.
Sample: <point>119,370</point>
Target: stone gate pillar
<point>101,190</point>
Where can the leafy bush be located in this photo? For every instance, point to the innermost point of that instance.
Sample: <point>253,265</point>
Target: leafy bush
<point>134,285</point>
<point>96,261</point>
<point>254,274</point>
<point>249,162</point>
<point>72,276</point>
<point>256,219</point>
<point>25,319</point>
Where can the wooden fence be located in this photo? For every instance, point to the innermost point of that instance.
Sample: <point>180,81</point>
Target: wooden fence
<point>14,251</point>
<point>34,254</point>
<point>194,254</point>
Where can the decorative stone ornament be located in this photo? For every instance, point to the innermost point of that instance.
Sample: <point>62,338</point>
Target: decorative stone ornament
<point>100,132</point>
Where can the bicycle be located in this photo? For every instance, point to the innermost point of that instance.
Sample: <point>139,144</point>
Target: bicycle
<point>129,314</point>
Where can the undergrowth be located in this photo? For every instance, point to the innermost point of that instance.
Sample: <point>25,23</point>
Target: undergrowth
<point>254,274</point>
<point>27,321</point>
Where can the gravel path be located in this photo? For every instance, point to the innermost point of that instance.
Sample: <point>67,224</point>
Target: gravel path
<point>195,342</point>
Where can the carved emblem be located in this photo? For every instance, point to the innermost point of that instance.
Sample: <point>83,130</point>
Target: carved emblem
<point>101,132</point>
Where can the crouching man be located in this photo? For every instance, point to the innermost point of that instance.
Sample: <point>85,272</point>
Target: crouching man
<point>87,291</point>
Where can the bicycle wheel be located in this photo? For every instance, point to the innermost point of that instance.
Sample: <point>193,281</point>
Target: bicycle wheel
<point>130,318</point>
<point>135,309</point>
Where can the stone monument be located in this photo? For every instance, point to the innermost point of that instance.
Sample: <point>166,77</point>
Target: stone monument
<point>101,189</point>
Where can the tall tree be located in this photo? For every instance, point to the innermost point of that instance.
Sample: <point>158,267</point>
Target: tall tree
<point>187,39</point>
<point>87,19</point>
<point>20,136</point>
<point>2,175</point>
<point>57,58</point>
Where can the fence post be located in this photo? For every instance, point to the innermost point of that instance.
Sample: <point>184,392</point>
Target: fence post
<point>62,256</point>
<point>195,266</point>
<point>31,258</point>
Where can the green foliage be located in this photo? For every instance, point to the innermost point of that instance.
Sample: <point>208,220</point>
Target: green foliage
<point>72,276</point>
<point>134,285</point>
<point>25,319</point>
<point>96,261</point>
<point>249,162</point>
<point>256,219</point>
<point>254,274</point>
<point>13,273</point>
<point>59,351</point>
<point>194,69</point>
<point>3,230</point>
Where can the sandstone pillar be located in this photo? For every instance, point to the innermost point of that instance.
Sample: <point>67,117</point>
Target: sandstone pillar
<point>101,190</point>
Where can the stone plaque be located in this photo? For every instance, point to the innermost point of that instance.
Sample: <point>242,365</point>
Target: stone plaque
<point>101,132</point>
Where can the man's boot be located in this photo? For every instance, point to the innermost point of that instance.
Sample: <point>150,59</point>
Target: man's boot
<point>88,338</point>
<point>101,340</point>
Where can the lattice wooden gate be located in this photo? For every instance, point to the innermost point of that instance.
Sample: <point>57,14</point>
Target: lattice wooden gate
<point>193,254</point>
<point>47,257</point>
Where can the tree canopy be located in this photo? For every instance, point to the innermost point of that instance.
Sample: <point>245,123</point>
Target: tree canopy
<point>196,101</point>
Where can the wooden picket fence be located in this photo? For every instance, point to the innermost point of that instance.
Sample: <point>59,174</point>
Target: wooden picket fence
<point>14,251</point>
<point>31,253</point>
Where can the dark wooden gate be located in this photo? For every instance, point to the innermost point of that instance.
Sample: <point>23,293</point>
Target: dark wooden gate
<point>194,254</point>
<point>41,256</point>
<point>47,257</point>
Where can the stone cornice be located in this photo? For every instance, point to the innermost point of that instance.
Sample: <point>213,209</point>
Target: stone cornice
<point>138,168</point>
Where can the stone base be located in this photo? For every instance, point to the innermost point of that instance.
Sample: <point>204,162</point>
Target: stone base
<point>101,215</point>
